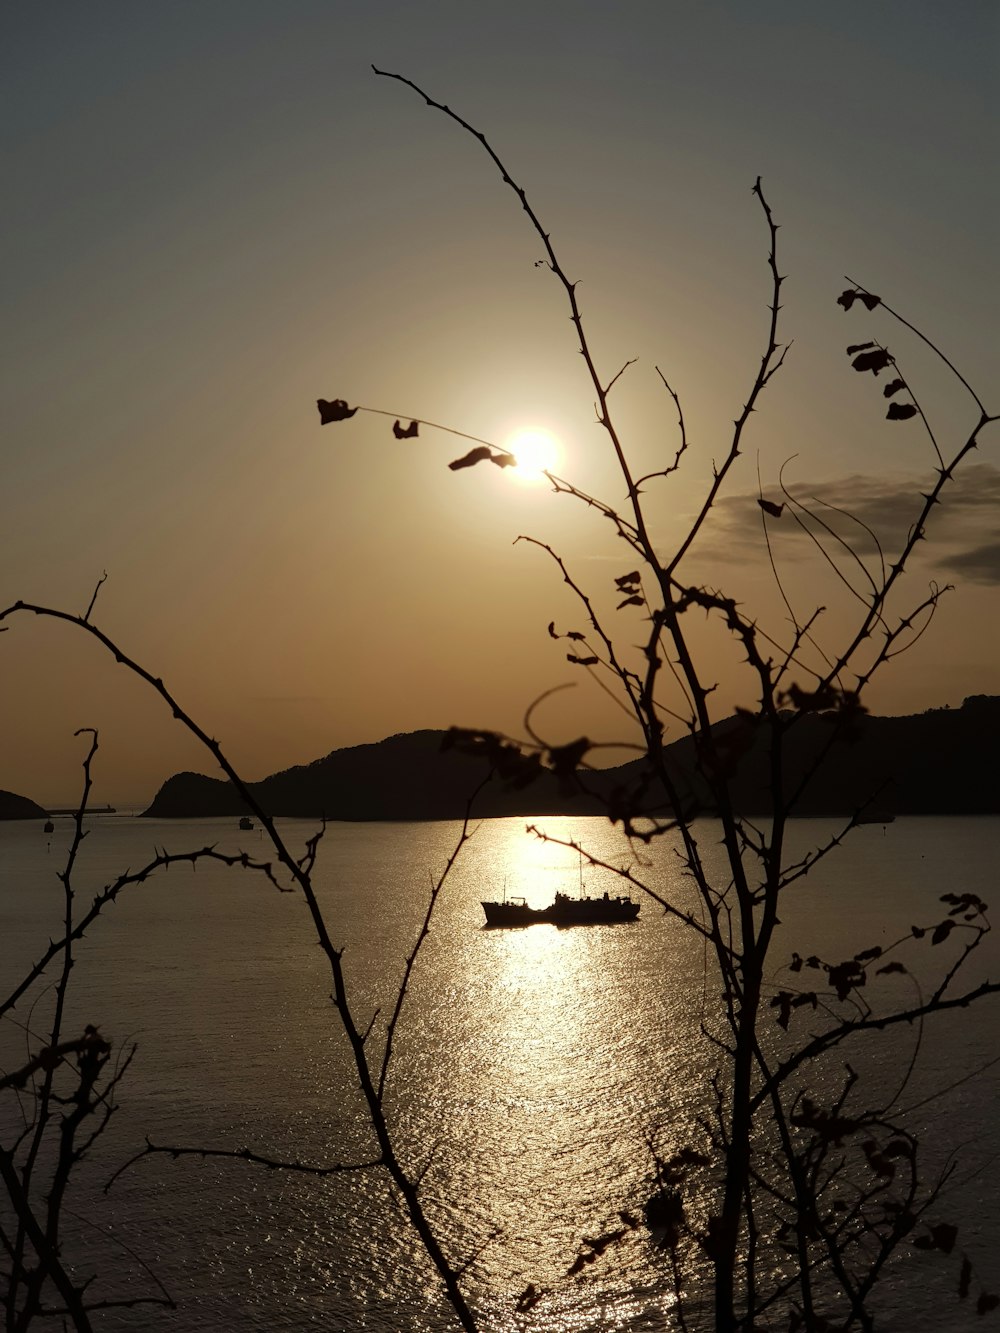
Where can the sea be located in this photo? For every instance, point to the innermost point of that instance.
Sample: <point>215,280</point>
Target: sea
<point>535,1072</point>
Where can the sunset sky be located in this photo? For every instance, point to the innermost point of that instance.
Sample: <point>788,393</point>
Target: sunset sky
<point>215,213</point>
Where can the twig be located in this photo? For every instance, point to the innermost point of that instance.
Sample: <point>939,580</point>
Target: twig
<point>243,1155</point>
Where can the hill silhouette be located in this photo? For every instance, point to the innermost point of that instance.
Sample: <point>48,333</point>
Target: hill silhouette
<point>13,806</point>
<point>403,777</point>
<point>939,762</point>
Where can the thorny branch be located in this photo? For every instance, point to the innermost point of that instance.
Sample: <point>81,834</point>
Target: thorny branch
<point>301,879</point>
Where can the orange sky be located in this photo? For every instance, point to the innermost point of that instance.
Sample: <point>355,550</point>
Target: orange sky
<point>217,214</point>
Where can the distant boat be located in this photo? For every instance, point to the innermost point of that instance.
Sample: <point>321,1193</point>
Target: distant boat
<point>48,827</point>
<point>246,823</point>
<point>564,911</point>
<point>874,819</point>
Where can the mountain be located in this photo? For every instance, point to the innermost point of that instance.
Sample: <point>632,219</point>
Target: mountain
<point>13,806</point>
<point>939,762</point>
<point>403,777</point>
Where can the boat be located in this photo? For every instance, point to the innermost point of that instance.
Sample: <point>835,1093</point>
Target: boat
<point>246,823</point>
<point>564,911</point>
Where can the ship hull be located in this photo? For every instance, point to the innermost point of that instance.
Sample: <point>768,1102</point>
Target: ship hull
<point>563,912</point>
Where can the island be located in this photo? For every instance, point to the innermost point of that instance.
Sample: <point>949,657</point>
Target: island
<point>13,806</point>
<point>937,762</point>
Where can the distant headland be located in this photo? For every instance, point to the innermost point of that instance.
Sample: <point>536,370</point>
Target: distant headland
<point>939,762</point>
<point>13,806</point>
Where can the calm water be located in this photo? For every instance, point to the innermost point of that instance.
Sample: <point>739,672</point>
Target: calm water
<point>534,1063</point>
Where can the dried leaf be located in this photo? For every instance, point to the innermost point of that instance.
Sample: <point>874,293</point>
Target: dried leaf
<point>829,1127</point>
<point>769,507</point>
<point>565,759</point>
<point>600,1243</point>
<point>964,1278</point>
<point>898,1148</point>
<point>858,347</point>
<point>878,1162</point>
<point>509,761</point>
<point>892,387</point>
<point>874,361</point>
<point>478,455</point>
<point>582,661</point>
<point>868,299</point>
<point>665,1214</point>
<point>573,634</point>
<point>337,410</point>
<point>845,977</point>
<point>945,1236</point>
<point>481,454</point>
<point>405,432</point>
<point>783,1003</point>
<point>819,700</point>
<point>528,1298</point>
<point>689,1157</point>
<point>942,931</point>
<point>900,412</point>
<point>634,600</point>
<point>890,967</point>
<point>627,579</point>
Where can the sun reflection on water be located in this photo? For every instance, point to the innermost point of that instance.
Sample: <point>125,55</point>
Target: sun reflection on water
<point>549,1099</point>
<point>534,869</point>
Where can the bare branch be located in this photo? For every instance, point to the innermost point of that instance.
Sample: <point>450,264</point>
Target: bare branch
<point>243,1155</point>
<point>93,599</point>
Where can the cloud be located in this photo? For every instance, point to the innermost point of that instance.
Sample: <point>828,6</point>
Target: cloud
<point>868,513</point>
<point>981,564</point>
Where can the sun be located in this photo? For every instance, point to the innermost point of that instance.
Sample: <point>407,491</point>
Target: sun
<point>536,450</point>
